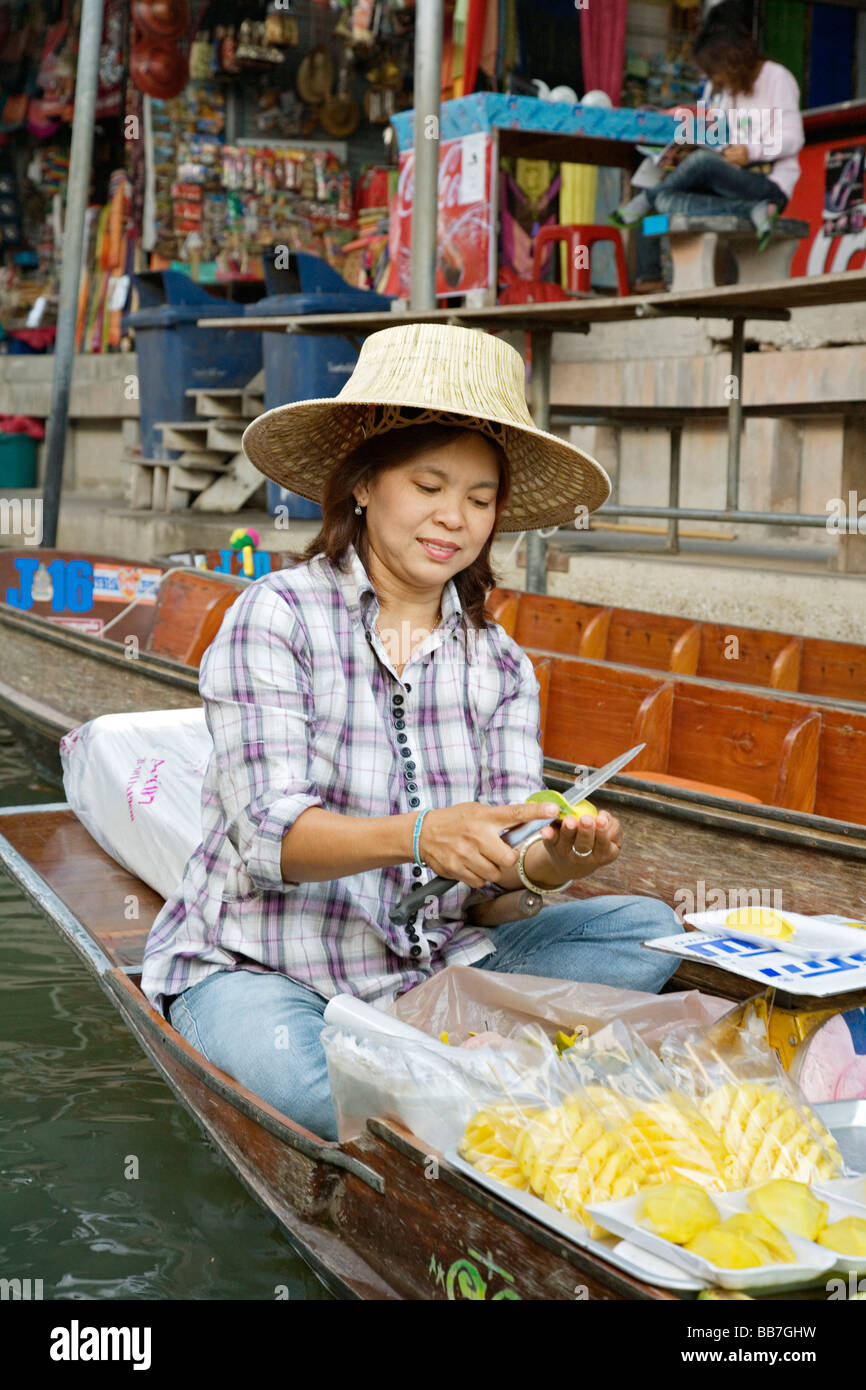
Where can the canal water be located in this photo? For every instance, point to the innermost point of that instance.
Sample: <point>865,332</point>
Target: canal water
<point>80,1099</point>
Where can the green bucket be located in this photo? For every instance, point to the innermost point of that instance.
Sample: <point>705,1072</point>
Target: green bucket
<point>17,460</point>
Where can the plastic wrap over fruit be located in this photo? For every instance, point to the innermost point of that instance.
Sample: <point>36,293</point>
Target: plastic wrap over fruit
<point>762,1120</point>
<point>664,1128</point>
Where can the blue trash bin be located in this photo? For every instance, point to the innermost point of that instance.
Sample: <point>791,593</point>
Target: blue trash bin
<point>175,355</point>
<point>300,366</point>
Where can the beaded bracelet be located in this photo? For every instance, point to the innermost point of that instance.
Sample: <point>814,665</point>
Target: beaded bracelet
<point>420,862</point>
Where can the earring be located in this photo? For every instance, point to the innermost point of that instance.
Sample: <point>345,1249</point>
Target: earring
<point>358,509</point>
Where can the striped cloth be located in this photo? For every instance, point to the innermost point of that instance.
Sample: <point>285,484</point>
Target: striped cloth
<point>298,692</point>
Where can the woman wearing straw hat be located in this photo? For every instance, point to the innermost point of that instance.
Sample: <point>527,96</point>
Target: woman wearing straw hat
<point>371,731</point>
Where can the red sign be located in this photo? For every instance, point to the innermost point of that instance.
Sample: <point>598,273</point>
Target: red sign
<point>464,237</point>
<point>835,240</point>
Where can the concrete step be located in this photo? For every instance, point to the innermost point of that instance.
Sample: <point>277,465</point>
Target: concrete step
<point>161,484</point>
<point>239,483</point>
<point>226,435</point>
<point>217,401</point>
<point>202,458</point>
<point>183,434</point>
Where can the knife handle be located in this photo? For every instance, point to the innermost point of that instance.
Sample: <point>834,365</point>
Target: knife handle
<point>416,897</point>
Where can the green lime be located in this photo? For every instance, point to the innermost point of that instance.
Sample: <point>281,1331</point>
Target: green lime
<point>565,806</point>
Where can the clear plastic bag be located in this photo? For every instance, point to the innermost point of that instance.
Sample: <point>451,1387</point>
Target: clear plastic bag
<point>753,1105</point>
<point>463,999</point>
<point>428,1086</point>
<point>552,1123</point>
<point>661,1124</point>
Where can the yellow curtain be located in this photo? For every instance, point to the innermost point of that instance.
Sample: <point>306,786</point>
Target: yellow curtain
<point>576,203</point>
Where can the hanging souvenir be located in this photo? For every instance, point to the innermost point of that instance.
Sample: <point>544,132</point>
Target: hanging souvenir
<point>158,69</point>
<point>340,113</point>
<point>161,19</point>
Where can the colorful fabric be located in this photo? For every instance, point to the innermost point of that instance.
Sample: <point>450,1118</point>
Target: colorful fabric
<point>602,47</point>
<point>305,709</point>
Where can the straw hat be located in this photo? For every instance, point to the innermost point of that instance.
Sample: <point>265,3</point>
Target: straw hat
<point>454,375</point>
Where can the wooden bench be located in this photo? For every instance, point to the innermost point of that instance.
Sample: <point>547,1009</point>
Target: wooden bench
<point>188,614</point>
<point>841,790</point>
<point>700,737</point>
<point>835,669</point>
<point>701,246</point>
<point>683,646</point>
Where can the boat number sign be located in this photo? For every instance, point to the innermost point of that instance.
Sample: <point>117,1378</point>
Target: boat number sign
<point>71,586</point>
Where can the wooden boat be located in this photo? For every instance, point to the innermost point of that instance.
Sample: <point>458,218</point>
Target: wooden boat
<point>682,646</point>
<point>358,1213</point>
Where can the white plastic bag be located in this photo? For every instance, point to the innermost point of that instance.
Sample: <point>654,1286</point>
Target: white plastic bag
<point>135,782</point>
<point>378,1065</point>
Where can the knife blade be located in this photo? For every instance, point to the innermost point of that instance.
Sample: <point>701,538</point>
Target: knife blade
<point>585,784</point>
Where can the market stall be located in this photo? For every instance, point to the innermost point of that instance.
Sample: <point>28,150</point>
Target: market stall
<point>478,135</point>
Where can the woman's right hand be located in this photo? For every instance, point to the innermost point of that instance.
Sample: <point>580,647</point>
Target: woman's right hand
<point>464,842</point>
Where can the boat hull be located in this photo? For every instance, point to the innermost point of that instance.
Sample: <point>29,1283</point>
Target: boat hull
<point>52,680</point>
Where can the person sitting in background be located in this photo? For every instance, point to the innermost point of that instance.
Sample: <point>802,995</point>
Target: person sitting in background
<point>754,175</point>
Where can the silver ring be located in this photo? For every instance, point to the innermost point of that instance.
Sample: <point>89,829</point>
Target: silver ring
<point>581,853</point>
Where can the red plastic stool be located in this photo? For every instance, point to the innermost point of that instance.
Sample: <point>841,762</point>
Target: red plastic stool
<point>577,235</point>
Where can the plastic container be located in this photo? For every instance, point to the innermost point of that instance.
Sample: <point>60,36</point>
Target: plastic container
<point>300,366</point>
<point>17,460</point>
<point>174,354</point>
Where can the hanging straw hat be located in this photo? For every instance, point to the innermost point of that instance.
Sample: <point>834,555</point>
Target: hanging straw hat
<point>437,372</point>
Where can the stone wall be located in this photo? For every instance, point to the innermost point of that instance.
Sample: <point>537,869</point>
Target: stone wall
<point>103,417</point>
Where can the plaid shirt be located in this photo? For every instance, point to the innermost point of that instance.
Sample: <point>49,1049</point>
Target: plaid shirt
<point>305,709</point>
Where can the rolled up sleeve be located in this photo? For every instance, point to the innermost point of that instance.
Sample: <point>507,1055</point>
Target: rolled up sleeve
<point>512,761</point>
<point>255,683</point>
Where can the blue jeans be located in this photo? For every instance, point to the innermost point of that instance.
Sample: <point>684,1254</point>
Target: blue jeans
<point>263,1029</point>
<point>706,185</point>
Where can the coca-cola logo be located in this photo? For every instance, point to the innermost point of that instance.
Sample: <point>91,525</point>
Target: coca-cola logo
<point>450,170</point>
<point>449,174</point>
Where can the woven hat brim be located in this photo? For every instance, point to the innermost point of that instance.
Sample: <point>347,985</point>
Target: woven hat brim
<point>298,444</point>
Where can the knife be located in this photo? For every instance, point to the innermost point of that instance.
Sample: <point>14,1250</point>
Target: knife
<point>588,782</point>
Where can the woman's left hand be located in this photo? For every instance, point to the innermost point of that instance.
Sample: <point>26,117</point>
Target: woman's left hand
<point>578,847</point>
<point>736,154</point>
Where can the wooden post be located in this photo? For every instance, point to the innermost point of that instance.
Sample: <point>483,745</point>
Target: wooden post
<point>852,543</point>
<point>735,415</point>
<point>536,545</point>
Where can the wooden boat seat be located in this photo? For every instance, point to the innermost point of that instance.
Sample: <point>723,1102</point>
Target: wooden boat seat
<point>749,656</point>
<point>841,791</point>
<point>543,671</point>
<point>562,625</point>
<point>595,712</point>
<point>189,611</point>
<point>654,641</point>
<point>836,669</point>
<point>689,784</point>
<point>767,748</point>
<point>501,607</point>
<point>682,646</point>
<point>708,737</point>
